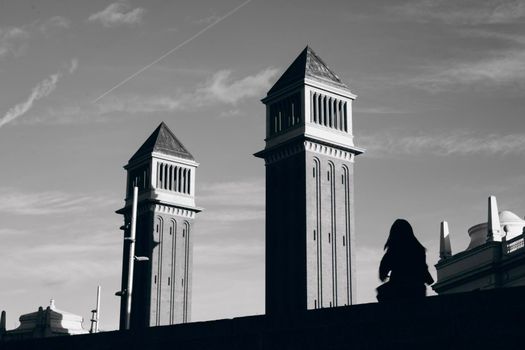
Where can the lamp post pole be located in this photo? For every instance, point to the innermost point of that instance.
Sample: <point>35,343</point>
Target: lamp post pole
<point>131,258</point>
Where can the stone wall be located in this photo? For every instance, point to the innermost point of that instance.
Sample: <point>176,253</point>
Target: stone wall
<point>476,320</point>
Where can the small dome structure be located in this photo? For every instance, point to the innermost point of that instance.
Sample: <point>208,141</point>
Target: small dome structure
<point>47,322</point>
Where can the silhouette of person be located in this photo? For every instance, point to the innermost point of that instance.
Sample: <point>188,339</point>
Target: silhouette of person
<point>405,261</point>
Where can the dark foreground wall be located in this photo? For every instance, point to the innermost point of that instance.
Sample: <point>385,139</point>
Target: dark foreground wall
<point>477,320</point>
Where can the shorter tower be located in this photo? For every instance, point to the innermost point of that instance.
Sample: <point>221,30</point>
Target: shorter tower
<point>164,172</point>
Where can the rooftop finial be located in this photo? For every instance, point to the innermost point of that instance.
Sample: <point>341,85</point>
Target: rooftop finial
<point>493,224</point>
<point>445,251</point>
<point>2,322</point>
<point>52,304</point>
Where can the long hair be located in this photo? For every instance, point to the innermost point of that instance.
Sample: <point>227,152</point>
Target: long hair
<point>402,237</point>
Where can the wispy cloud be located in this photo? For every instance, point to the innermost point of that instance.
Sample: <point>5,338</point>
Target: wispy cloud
<point>61,263</point>
<point>41,90</point>
<point>454,143</point>
<point>171,51</point>
<point>55,22</point>
<point>490,68</point>
<point>49,202</point>
<point>380,110</point>
<point>207,20</point>
<point>12,41</point>
<point>73,66</point>
<point>231,254</point>
<point>497,70</point>
<point>241,193</point>
<point>230,202</point>
<point>470,12</point>
<point>4,232</point>
<point>220,88</point>
<point>118,13</point>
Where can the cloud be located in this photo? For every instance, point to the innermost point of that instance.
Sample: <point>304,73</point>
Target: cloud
<point>380,110</point>
<point>220,88</point>
<point>236,254</point>
<point>455,143</point>
<point>470,12</point>
<point>60,263</point>
<point>490,68</point>
<point>49,202</point>
<point>503,69</point>
<point>115,14</point>
<point>41,90</point>
<point>12,41</point>
<point>511,38</point>
<point>73,66</point>
<point>207,20</point>
<point>55,22</point>
<point>240,193</point>
<point>4,232</point>
<point>232,202</point>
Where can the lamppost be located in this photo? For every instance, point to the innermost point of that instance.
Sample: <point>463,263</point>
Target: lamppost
<point>128,292</point>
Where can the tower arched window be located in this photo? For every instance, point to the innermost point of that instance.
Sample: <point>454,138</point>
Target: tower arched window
<point>175,178</point>
<point>166,176</point>
<point>330,112</point>
<point>189,182</point>
<point>185,177</point>
<point>321,110</point>
<point>297,109</point>
<point>314,107</point>
<point>179,184</point>
<point>326,111</point>
<point>334,109</point>
<point>160,175</point>
<point>170,177</point>
<point>345,118</point>
<point>340,115</point>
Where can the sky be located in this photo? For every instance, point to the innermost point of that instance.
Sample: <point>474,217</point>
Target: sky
<point>440,110</point>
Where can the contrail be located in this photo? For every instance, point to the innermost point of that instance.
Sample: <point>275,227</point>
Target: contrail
<point>220,19</point>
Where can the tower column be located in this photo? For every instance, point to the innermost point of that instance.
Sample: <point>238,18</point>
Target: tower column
<point>309,191</point>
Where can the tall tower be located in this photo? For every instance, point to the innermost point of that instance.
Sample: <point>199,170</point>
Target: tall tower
<point>164,172</point>
<point>309,158</point>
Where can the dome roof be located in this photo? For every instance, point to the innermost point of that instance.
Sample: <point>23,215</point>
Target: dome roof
<point>507,216</point>
<point>510,223</point>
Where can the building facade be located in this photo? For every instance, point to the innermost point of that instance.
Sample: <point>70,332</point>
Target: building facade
<point>495,256</point>
<point>309,158</point>
<point>164,172</point>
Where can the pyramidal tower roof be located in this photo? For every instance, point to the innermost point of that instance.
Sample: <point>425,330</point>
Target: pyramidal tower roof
<point>308,65</point>
<point>163,140</point>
